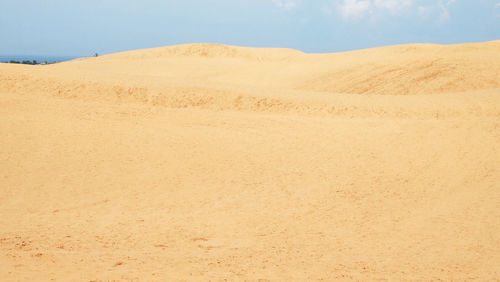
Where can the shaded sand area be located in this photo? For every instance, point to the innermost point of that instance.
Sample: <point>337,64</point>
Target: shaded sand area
<point>204,161</point>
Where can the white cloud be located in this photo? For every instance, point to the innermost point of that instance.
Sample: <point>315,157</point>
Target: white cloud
<point>438,10</point>
<point>354,9</point>
<point>286,5</point>
<point>424,11</point>
<point>393,6</point>
<point>444,6</point>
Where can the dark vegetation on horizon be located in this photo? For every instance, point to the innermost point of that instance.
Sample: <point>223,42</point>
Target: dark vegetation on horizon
<point>36,62</point>
<point>28,62</point>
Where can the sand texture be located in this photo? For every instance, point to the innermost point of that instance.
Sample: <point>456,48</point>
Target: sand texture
<point>211,162</point>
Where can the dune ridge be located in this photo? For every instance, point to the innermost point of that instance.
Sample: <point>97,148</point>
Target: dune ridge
<point>208,50</point>
<point>396,70</point>
<point>213,162</point>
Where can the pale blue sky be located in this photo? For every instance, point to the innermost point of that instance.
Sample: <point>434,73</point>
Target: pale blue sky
<point>81,28</point>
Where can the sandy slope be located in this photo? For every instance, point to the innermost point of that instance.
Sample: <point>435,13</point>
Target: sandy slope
<point>207,161</point>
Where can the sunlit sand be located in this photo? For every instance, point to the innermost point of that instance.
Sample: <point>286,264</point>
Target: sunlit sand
<point>216,162</point>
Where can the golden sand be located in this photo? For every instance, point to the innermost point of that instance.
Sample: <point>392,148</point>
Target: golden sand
<point>211,162</point>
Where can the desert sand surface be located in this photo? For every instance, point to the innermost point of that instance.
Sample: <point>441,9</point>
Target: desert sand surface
<point>212,162</point>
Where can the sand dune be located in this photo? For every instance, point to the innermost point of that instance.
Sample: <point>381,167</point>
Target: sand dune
<point>206,161</point>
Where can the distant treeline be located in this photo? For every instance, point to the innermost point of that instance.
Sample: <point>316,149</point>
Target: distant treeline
<point>34,59</point>
<point>28,62</point>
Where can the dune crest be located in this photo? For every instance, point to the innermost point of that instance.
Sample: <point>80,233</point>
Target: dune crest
<point>396,70</point>
<point>209,50</point>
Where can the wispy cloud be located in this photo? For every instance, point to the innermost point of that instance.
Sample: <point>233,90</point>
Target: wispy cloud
<point>424,12</point>
<point>360,9</point>
<point>444,7</point>
<point>354,9</point>
<point>393,6</point>
<point>286,5</point>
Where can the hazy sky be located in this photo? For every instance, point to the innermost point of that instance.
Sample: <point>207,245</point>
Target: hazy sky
<point>81,28</point>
